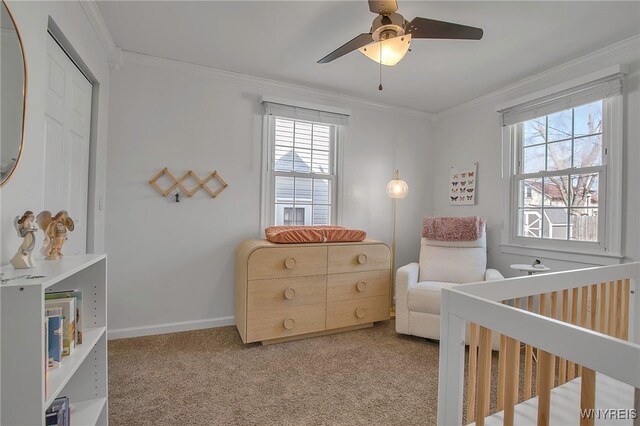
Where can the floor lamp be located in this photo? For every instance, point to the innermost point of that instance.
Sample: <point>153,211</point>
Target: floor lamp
<point>396,188</point>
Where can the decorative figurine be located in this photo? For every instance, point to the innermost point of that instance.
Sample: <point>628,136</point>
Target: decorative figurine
<point>537,264</point>
<point>26,228</point>
<point>55,232</point>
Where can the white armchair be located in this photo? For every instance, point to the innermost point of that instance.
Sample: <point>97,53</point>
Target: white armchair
<point>442,264</point>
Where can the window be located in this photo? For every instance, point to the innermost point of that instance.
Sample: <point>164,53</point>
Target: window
<point>301,163</point>
<point>303,172</point>
<point>564,170</point>
<point>560,170</point>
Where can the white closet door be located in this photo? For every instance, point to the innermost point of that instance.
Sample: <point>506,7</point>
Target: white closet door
<point>67,136</point>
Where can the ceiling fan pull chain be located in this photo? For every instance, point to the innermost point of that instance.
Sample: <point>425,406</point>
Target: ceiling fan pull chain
<point>380,86</point>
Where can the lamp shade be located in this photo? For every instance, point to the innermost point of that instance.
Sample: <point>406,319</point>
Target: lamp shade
<point>387,52</point>
<point>397,188</point>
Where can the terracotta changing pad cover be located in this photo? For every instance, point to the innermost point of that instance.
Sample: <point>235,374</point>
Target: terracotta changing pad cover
<point>313,234</point>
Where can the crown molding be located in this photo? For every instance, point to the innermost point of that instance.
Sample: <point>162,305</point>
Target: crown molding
<point>114,53</point>
<point>245,79</point>
<point>533,83</point>
<point>115,59</point>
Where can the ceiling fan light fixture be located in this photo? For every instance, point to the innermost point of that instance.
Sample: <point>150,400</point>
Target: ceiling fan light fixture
<point>387,52</point>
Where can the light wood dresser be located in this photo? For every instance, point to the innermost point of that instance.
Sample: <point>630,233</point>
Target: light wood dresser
<point>291,291</point>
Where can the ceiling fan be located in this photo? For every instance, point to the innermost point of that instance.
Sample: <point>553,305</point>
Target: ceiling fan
<point>390,35</point>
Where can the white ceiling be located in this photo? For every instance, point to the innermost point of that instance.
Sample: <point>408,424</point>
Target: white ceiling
<point>282,40</point>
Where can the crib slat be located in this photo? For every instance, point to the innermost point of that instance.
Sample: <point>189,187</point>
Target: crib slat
<point>541,309</point>
<point>502,362</point>
<point>528,360</point>
<point>484,376</point>
<point>543,304</point>
<point>554,314</point>
<point>511,380</point>
<point>472,371</point>
<point>584,304</point>
<point>554,305</point>
<point>573,319</point>
<point>562,369</point>
<point>584,291</point>
<point>618,313</point>
<point>611,297</point>
<point>625,309</point>
<point>488,345</point>
<point>544,385</point>
<point>587,395</point>
<point>594,306</point>
<point>603,307</point>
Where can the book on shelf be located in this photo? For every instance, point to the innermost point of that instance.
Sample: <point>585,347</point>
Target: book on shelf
<point>54,338</point>
<point>68,307</point>
<point>58,414</point>
<point>76,294</point>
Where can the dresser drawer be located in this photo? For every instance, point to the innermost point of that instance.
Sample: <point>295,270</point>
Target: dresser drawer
<point>286,292</point>
<point>276,323</point>
<point>287,262</point>
<point>354,258</point>
<point>353,312</point>
<point>357,285</point>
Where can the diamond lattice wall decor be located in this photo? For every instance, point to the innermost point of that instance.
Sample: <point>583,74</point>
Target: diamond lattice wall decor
<point>179,183</point>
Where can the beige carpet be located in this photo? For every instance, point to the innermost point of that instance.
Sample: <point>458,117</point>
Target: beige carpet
<point>208,377</point>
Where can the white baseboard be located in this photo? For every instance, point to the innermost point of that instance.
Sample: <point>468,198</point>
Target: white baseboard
<point>149,330</point>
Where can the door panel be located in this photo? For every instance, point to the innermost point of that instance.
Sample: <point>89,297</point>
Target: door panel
<point>67,139</point>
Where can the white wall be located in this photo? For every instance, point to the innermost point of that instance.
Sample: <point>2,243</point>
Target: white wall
<point>171,265</point>
<point>25,189</point>
<point>472,132</point>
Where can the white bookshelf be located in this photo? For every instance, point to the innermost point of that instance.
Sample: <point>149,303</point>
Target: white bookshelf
<point>82,376</point>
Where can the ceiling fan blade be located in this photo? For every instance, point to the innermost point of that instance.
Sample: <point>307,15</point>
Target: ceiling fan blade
<point>384,7</point>
<point>430,28</point>
<point>356,43</point>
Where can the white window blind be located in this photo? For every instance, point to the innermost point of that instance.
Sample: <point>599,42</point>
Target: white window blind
<point>303,172</point>
<point>300,163</point>
<point>570,98</point>
<point>305,114</point>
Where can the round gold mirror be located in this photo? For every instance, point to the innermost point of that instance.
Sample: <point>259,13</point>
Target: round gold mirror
<point>13,92</point>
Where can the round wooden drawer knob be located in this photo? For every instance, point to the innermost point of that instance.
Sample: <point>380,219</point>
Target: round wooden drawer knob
<point>361,286</point>
<point>361,312</point>
<point>362,259</point>
<point>288,323</point>
<point>289,293</point>
<point>290,263</point>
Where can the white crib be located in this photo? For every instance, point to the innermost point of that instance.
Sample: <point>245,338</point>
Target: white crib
<point>578,330</point>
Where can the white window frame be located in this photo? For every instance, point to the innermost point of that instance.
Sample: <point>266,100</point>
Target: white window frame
<point>608,250</point>
<point>269,175</point>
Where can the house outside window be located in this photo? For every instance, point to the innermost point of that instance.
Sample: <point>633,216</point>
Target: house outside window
<point>300,166</point>
<point>563,171</point>
<point>294,216</point>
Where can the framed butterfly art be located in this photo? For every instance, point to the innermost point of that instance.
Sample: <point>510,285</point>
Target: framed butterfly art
<point>463,180</point>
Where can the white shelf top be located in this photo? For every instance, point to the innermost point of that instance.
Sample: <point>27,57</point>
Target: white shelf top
<point>58,377</point>
<point>53,271</point>
<point>87,412</point>
<point>529,268</point>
